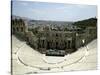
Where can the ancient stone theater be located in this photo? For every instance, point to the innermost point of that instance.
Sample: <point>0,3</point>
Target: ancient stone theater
<point>52,37</point>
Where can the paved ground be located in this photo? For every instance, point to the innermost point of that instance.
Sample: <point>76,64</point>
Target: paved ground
<point>27,60</point>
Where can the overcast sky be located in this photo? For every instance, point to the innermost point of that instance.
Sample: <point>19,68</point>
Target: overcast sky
<point>53,11</point>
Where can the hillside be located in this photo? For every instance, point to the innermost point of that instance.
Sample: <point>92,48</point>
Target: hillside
<point>86,23</point>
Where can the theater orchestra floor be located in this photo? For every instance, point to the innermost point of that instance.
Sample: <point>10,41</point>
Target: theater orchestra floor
<point>26,60</point>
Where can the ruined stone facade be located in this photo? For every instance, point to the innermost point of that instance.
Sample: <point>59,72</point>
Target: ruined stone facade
<point>57,40</point>
<point>19,27</point>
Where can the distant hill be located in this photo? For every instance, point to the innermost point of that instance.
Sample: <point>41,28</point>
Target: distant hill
<point>91,22</point>
<point>43,22</point>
